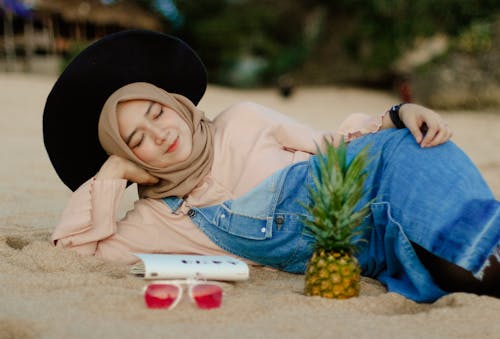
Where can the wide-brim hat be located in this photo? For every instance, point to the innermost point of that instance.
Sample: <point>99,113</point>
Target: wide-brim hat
<point>72,109</point>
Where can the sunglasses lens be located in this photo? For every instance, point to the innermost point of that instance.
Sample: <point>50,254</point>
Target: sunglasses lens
<point>207,296</point>
<point>161,296</point>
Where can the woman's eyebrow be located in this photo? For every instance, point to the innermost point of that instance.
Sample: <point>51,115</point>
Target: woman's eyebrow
<point>135,130</point>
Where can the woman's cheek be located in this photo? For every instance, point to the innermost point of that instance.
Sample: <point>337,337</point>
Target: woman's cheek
<point>144,153</point>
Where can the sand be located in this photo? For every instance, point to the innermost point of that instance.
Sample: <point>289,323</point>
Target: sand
<point>52,293</point>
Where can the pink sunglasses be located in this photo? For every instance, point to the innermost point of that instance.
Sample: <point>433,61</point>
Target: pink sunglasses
<point>168,293</point>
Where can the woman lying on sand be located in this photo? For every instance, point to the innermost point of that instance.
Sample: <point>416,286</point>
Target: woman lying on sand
<point>124,111</point>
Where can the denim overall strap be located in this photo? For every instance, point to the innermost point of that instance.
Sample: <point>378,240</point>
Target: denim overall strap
<point>174,203</point>
<point>264,225</point>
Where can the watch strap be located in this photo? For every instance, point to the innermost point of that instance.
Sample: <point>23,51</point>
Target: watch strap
<point>394,115</point>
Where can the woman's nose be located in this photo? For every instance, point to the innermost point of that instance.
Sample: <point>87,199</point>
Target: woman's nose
<point>159,135</point>
<point>159,140</point>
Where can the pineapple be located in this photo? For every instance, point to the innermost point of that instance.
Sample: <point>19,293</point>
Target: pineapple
<point>333,270</point>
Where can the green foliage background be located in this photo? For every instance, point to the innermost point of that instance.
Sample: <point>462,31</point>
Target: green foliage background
<point>350,40</point>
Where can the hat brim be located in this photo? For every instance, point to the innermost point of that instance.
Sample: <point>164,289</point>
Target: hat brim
<point>72,109</point>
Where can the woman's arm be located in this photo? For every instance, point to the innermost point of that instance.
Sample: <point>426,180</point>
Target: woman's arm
<point>298,136</point>
<point>90,215</point>
<point>90,227</point>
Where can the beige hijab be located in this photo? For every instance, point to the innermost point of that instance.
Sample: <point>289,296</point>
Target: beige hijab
<point>178,179</point>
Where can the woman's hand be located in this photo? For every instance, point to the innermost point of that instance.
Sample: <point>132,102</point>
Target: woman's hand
<point>420,120</point>
<point>428,127</point>
<point>116,167</point>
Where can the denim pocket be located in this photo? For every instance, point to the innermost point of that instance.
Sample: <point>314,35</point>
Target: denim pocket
<point>243,226</point>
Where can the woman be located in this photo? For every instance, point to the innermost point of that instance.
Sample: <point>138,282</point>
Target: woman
<point>190,169</point>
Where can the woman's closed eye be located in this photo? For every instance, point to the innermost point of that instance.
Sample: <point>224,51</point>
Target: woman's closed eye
<point>158,114</point>
<point>138,142</point>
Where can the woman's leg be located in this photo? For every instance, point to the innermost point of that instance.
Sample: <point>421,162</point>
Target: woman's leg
<point>453,278</point>
<point>435,198</point>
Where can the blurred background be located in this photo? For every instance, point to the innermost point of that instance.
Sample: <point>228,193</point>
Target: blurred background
<point>445,54</point>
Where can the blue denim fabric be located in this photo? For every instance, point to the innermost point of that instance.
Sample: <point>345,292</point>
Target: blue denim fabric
<point>264,225</point>
<point>434,197</point>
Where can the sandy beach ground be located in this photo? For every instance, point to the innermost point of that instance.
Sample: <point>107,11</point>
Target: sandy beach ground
<point>53,293</point>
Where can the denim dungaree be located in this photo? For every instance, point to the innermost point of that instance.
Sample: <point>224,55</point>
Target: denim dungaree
<point>434,197</point>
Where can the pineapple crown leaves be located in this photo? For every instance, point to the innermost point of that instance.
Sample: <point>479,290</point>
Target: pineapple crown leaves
<point>337,221</point>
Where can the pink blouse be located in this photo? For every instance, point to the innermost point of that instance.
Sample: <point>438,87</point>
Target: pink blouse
<point>250,142</point>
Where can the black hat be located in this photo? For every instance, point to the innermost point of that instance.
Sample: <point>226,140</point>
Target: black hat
<point>72,109</point>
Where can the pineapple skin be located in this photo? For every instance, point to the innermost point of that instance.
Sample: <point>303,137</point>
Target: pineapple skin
<point>334,274</point>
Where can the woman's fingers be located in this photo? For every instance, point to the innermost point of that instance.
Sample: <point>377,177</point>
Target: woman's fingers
<point>436,135</point>
<point>116,167</point>
<point>415,130</point>
<point>139,175</point>
<point>427,126</point>
<point>147,179</point>
<point>445,134</point>
<point>429,138</point>
<point>143,178</point>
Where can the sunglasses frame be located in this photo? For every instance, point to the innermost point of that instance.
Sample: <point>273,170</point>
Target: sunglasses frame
<point>180,284</point>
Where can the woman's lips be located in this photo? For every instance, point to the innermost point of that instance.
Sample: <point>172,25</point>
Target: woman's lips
<point>173,146</point>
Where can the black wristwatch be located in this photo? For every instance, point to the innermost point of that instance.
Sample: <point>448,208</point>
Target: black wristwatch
<point>394,115</point>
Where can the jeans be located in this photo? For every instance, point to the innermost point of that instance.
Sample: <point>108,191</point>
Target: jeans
<point>434,197</point>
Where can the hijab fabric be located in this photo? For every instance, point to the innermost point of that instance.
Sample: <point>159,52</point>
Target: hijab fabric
<point>175,180</point>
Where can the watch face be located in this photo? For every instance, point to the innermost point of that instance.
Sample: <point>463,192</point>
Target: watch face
<point>396,108</point>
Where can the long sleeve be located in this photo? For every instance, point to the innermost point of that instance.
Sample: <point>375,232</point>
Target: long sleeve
<point>253,120</point>
<point>358,124</point>
<point>89,226</point>
<point>89,216</point>
<point>294,135</point>
<point>298,136</point>
<point>90,212</point>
